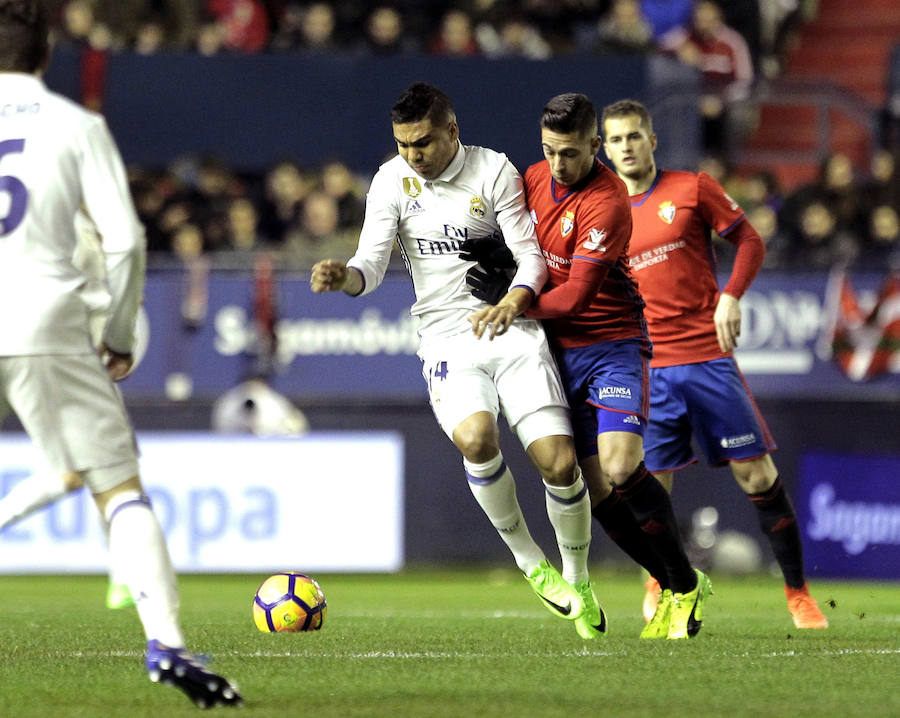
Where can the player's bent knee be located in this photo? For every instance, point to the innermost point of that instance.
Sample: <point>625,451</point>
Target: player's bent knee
<point>618,468</point>
<point>477,438</point>
<point>554,458</point>
<point>559,473</point>
<point>756,475</point>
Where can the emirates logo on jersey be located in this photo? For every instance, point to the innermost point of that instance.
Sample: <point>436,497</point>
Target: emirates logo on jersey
<point>567,224</point>
<point>667,212</point>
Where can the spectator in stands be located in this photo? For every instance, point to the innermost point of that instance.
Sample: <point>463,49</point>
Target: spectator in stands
<point>187,242</point>
<point>384,33</point>
<point>761,189</point>
<point>150,37</point>
<point>818,242</point>
<point>513,36</point>
<point>455,36</point>
<point>212,189</point>
<point>244,23</point>
<point>765,219</point>
<point>883,185</point>
<point>150,196</point>
<point>318,28</point>
<point>76,22</point>
<point>624,29</point>
<point>339,182</point>
<point>210,39</point>
<point>835,187</point>
<point>839,189</point>
<point>286,186</point>
<point>721,55</point>
<point>319,234</point>
<point>287,32</point>
<point>881,250</point>
<point>242,233</point>
<point>880,196</point>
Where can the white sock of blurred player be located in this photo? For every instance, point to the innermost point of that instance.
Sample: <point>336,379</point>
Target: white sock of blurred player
<point>569,511</point>
<point>494,489</point>
<point>138,554</point>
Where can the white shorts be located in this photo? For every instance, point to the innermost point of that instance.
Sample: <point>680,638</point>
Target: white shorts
<point>74,415</point>
<point>515,373</point>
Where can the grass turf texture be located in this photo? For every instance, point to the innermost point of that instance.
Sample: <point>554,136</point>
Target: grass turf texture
<point>456,643</point>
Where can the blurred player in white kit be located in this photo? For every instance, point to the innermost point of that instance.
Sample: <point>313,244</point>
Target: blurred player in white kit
<point>55,159</point>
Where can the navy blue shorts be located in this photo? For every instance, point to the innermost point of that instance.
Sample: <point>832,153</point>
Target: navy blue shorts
<point>709,401</point>
<point>607,388</point>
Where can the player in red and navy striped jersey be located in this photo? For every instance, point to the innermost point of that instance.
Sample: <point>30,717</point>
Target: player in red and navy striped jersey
<point>696,388</point>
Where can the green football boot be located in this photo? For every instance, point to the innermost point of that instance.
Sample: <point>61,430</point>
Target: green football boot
<point>687,609</point>
<point>592,623</point>
<point>555,592</point>
<point>658,626</point>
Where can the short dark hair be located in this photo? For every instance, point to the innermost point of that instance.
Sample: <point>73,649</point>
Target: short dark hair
<point>24,35</point>
<point>570,112</point>
<point>624,108</point>
<point>422,101</point>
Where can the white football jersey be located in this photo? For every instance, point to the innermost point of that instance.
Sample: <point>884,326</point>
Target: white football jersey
<point>55,159</point>
<point>479,194</point>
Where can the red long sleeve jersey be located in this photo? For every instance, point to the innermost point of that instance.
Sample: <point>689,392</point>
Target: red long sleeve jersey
<point>673,261</point>
<point>583,231</point>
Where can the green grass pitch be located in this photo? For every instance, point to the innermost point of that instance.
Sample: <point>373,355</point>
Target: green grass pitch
<point>437,643</point>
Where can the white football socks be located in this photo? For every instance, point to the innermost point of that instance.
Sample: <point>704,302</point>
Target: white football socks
<point>494,489</point>
<point>30,495</point>
<point>138,554</point>
<point>569,511</point>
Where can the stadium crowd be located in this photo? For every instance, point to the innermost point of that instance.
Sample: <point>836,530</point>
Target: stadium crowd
<point>299,214</point>
<point>199,206</point>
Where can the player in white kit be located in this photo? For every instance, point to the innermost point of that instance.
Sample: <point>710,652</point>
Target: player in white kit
<point>55,159</point>
<point>440,199</point>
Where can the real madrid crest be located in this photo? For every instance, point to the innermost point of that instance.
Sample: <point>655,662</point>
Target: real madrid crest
<point>412,187</point>
<point>567,224</point>
<point>476,207</point>
<point>667,212</point>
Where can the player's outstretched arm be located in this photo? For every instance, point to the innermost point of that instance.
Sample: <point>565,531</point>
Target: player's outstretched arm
<point>330,275</point>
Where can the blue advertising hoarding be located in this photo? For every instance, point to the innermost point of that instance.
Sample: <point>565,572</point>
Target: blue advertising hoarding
<point>334,346</point>
<point>848,506</point>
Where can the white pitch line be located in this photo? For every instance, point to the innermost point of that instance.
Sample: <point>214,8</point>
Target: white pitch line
<point>448,655</point>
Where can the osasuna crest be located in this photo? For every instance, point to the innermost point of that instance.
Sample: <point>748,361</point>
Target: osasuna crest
<point>476,207</point>
<point>667,212</point>
<point>567,224</point>
<point>412,187</point>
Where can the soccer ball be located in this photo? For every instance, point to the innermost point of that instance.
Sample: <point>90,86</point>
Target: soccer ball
<point>289,602</point>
